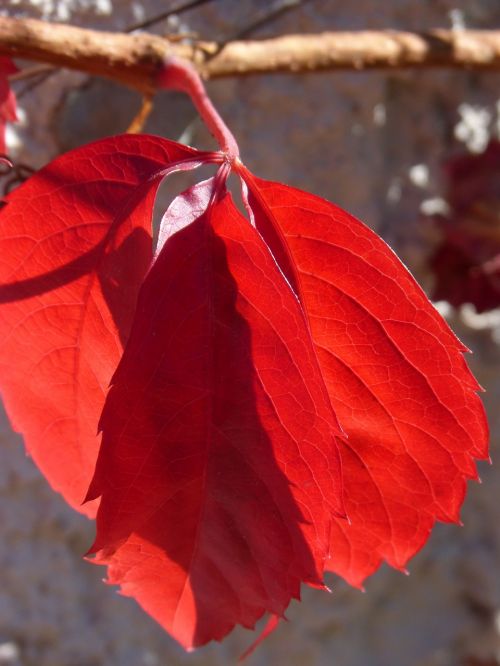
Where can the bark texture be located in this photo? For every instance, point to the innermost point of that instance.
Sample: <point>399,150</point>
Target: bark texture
<point>135,59</point>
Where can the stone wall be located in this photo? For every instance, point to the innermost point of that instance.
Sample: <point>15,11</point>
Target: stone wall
<point>373,143</point>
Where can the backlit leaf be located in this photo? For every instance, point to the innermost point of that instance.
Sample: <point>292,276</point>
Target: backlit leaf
<point>395,374</point>
<point>75,242</point>
<point>219,469</point>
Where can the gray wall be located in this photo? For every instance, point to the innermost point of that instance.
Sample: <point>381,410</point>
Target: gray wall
<point>356,140</point>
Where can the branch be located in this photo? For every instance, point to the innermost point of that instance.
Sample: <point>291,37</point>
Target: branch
<point>136,59</point>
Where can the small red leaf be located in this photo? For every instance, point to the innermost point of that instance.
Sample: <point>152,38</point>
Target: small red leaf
<point>7,99</point>
<point>218,470</point>
<point>466,263</point>
<point>395,374</point>
<point>75,242</point>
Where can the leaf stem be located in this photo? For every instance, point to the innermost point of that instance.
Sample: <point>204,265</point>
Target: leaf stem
<point>178,74</point>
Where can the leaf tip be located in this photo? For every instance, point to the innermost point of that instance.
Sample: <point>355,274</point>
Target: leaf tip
<point>317,586</point>
<point>269,627</point>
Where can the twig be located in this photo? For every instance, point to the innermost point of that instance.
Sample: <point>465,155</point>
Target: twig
<point>34,76</point>
<point>275,11</point>
<point>178,9</point>
<point>30,72</point>
<point>36,81</point>
<point>141,116</point>
<point>13,174</point>
<point>263,19</point>
<point>136,59</point>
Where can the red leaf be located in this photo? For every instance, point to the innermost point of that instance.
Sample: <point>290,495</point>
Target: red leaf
<point>7,99</point>
<point>218,470</point>
<point>75,242</point>
<point>466,263</point>
<point>395,374</point>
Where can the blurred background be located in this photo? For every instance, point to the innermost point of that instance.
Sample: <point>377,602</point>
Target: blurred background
<point>415,155</point>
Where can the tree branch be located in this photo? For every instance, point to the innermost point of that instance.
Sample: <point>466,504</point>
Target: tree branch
<point>136,59</point>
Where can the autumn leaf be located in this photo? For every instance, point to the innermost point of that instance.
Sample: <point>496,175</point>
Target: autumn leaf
<point>75,242</point>
<point>466,261</point>
<point>284,400</point>
<point>220,427</point>
<point>179,441</point>
<point>395,375</point>
<point>7,99</point>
